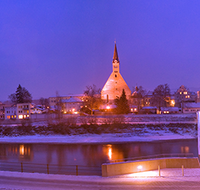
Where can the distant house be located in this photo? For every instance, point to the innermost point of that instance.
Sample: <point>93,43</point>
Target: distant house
<point>72,105</point>
<point>18,111</point>
<point>191,107</point>
<point>11,112</point>
<point>183,95</point>
<point>149,110</point>
<point>170,110</point>
<point>2,110</point>
<point>147,99</point>
<point>53,101</point>
<point>36,110</point>
<point>23,110</point>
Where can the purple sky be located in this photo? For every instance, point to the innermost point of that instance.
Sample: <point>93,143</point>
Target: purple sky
<point>65,45</point>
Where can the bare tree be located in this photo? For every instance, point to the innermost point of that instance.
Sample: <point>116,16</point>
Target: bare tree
<point>93,97</point>
<point>160,95</point>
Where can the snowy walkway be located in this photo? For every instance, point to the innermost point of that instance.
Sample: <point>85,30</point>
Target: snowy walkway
<point>170,179</point>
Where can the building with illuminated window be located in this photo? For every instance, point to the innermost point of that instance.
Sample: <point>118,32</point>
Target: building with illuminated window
<point>11,112</point>
<point>183,95</point>
<point>18,111</point>
<point>23,110</point>
<point>115,83</point>
<point>72,105</point>
<point>54,101</point>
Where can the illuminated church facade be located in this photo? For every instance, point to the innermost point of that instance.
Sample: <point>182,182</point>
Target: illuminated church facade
<point>115,84</point>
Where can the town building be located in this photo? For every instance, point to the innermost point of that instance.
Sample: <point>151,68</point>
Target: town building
<point>191,107</point>
<point>2,110</point>
<point>54,101</point>
<point>18,111</point>
<point>72,105</point>
<point>183,95</point>
<point>11,112</point>
<point>170,110</point>
<point>115,84</point>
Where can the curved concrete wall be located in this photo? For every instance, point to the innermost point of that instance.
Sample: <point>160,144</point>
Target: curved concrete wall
<point>120,168</point>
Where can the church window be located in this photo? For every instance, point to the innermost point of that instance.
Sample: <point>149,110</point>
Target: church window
<point>116,71</point>
<point>115,75</point>
<point>116,88</point>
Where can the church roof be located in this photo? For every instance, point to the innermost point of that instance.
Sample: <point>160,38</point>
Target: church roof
<point>115,56</point>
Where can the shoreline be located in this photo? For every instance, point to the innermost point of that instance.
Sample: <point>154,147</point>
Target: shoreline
<point>93,138</point>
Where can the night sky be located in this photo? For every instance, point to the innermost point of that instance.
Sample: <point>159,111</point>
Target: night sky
<point>65,45</point>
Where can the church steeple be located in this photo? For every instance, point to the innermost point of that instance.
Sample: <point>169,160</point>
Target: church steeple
<point>115,56</point>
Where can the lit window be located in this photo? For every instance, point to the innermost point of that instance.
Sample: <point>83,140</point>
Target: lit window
<point>184,92</point>
<point>20,116</point>
<point>180,92</point>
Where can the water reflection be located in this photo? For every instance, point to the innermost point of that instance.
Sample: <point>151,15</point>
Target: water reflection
<point>91,154</point>
<point>185,149</point>
<point>19,152</point>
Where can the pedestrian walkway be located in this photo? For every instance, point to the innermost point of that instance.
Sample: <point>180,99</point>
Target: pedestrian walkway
<point>165,174</point>
<point>169,179</point>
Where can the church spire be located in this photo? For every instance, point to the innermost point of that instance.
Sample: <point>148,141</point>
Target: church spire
<point>115,56</point>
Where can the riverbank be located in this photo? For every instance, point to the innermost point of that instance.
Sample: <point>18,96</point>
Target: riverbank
<point>94,138</point>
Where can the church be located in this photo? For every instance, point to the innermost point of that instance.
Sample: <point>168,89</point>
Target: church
<point>115,84</point>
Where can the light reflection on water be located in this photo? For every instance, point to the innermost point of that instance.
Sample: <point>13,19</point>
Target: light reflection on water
<point>91,154</point>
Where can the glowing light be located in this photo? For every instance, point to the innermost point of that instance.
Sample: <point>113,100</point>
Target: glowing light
<point>172,102</point>
<point>144,174</point>
<point>20,116</point>
<point>107,107</point>
<point>135,109</point>
<point>73,110</point>
<point>139,167</point>
<point>21,149</point>
<point>109,151</point>
<point>131,109</point>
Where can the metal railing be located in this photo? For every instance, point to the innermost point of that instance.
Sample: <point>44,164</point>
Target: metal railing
<point>49,168</point>
<point>188,155</point>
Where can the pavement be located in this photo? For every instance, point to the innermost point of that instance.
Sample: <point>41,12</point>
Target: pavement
<point>168,179</point>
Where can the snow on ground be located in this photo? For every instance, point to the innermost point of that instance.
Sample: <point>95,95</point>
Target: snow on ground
<point>167,174</point>
<point>93,138</point>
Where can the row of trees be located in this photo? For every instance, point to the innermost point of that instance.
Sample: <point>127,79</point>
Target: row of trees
<point>160,98</point>
<point>22,95</point>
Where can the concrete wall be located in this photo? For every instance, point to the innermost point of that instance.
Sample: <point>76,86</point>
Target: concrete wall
<point>120,168</point>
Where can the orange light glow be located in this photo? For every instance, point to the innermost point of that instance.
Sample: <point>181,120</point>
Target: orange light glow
<point>109,151</point>
<point>21,149</point>
<point>107,107</point>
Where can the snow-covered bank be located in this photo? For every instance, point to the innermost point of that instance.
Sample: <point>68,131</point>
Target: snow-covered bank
<point>94,138</point>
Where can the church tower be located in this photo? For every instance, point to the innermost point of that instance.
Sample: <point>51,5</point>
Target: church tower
<point>115,83</point>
